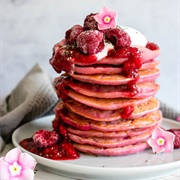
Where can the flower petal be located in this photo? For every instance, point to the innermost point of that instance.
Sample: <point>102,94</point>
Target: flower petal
<point>157,133</point>
<point>4,172</point>
<point>27,161</point>
<point>12,155</point>
<point>16,178</point>
<point>28,174</point>
<point>169,146</point>
<point>100,18</point>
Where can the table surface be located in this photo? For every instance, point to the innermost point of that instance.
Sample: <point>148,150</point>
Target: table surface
<point>41,174</point>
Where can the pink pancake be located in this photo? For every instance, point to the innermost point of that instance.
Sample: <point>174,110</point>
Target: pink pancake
<point>117,79</point>
<point>104,103</point>
<point>147,55</point>
<point>109,142</point>
<point>83,123</point>
<point>107,91</point>
<point>110,115</point>
<point>112,134</point>
<point>109,69</point>
<point>118,151</point>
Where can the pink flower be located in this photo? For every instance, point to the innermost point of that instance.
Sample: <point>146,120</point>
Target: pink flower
<point>106,19</point>
<point>161,141</point>
<point>17,166</point>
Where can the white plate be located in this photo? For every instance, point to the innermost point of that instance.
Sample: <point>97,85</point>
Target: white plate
<point>143,165</point>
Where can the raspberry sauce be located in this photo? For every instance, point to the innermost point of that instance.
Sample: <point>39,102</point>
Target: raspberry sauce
<point>127,111</point>
<point>59,151</point>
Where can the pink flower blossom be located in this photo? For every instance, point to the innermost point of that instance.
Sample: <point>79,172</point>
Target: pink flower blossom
<point>161,141</point>
<point>17,166</point>
<point>106,19</point>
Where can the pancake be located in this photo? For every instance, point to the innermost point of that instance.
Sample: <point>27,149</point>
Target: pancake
<point>110,134</point>
<point>109,115</point>
<point>109,69</point>
<point>109,142</point>
<point>105,91</point>
<point>117,79</point>
<point>83,123</point>
<point>104,103</point>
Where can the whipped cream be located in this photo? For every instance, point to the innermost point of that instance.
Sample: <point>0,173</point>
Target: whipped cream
<point>102,54</point>
<point>137,38</point>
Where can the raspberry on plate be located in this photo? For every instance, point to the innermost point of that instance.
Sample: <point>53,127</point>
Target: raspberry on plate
<point>45,138</point>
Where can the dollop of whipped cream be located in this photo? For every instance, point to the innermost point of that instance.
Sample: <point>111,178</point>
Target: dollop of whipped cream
<point>137,38</point>
<point>102,54</point>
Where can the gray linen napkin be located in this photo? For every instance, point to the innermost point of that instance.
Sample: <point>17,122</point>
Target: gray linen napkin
<point>33,97</point>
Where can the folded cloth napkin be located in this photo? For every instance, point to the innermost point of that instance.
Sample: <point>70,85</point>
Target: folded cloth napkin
<point>33,97</point>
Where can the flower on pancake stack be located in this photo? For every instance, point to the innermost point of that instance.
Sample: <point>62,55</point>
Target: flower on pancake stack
<point>161,141</point>
<point>106,19</point>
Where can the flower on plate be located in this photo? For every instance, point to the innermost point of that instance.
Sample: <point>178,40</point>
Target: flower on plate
<point>161,141</point>
<point>16,165</point>
<point>106,19</point>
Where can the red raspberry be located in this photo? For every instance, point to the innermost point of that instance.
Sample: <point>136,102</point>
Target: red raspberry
<point>176,132</point>
<point>72,34</point>
<point>90,41</point>
<point>45,138</point>
<point>118,37</point>
<point>61,59</point>
<point>152,46</point>
<point>90,23</point>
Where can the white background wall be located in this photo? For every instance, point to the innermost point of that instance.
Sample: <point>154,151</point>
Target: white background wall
<point>30,28</point>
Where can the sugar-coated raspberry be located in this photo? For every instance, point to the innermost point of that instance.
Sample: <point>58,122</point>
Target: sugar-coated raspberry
<point>72,34</point>
<point>45,138</point>
<point>90,23</point>
<point>90,41</point>
<point>118,37</point>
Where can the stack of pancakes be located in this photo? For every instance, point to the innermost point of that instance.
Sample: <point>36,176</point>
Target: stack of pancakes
<point>101,114</point>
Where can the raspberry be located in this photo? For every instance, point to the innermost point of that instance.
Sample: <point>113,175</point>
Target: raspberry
<point>176,132</point>
<point>90,41</point>
<point>90,23</point>
<point>152,46</point>
<point>118,37</point>
<point>61,59</point>
<point>72,34</point>
<point>45,138</point>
